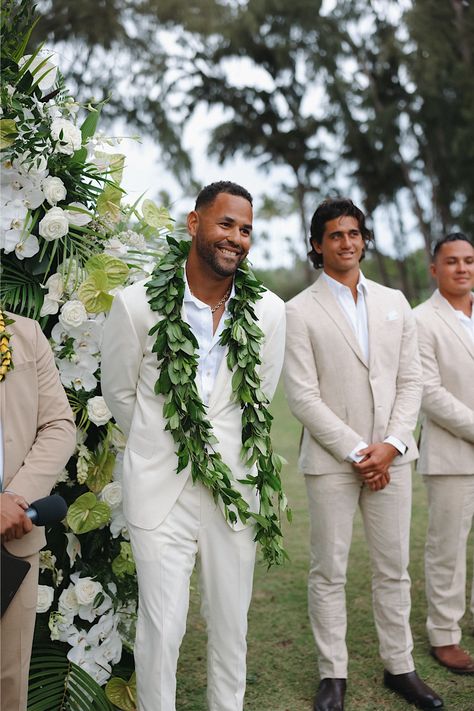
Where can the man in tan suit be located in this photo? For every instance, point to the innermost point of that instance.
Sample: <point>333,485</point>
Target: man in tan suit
<point>446,341</point>
<point>173,522</point>
<point>38,437</point>
<point>353,379</point>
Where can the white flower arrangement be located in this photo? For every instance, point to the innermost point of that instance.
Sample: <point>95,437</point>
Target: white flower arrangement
<point>77,245</point>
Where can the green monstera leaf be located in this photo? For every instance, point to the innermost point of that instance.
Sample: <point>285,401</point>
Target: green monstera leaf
<point>93,293</point>
<point>87,513</point>
<point>121,693</point>
<point>124,564</point>
<point>155,216</point>
<point>115,270</point>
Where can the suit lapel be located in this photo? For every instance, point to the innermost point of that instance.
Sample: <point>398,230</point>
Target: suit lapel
<point>446,313</point>
<point>323,295</point>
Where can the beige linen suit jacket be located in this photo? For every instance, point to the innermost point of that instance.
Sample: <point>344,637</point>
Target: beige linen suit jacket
<point>339,397</point>
<point>129,372</point>
<point>447,357</point>
<point>39,434</point>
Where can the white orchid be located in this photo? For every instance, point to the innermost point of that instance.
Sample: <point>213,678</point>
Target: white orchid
<point>79,373</point>
<point>28,246</point>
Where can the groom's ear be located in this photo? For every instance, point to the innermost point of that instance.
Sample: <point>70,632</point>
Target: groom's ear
<point>192,222</point>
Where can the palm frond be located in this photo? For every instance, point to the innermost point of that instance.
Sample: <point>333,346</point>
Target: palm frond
<point>20,290</point>
<point>56,684</point>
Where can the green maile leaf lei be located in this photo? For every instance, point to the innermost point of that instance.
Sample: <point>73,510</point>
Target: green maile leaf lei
<point>176,350</point>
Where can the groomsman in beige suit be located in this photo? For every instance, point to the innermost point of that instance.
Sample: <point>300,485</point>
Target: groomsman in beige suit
<point>446,341</point>
<point>353,379</point>
<point>172,522</point>
<point>38,437</point>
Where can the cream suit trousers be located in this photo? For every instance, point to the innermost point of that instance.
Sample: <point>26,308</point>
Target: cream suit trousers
<point>451,513</point>
<point>165,557</point>
<point>333,501</point>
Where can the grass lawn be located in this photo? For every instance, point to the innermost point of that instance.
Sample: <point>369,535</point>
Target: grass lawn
<point>281,671</point>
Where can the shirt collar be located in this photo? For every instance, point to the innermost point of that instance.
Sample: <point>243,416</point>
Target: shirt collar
<point>460,314</point>
<point>338,288</point>
<point>190,298</point>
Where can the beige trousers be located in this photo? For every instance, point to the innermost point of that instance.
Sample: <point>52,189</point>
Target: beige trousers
<point>16,630</point>
<point>165,557</point>
<point>451,514</point>
<point>333,501</point>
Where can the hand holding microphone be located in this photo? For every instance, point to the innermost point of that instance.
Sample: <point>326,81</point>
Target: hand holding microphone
<point>17,517</point>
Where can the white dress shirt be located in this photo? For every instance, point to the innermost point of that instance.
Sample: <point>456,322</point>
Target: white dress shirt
<point>356,312</point>
<point>210,352</point>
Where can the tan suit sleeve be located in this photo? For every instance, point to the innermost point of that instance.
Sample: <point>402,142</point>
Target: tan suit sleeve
<point>303,391</point>
<point>440,405</point>
<point>56,432</point>
<point>409,383</point>
<point>121,358</point>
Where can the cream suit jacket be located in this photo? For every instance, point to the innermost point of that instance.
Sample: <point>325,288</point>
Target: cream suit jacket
<point>129,372</point>
<point>447,357</point>
<point>339,397</point>
<point>39,434</point>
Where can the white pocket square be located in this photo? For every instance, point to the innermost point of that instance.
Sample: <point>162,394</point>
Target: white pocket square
<point>391,316</point>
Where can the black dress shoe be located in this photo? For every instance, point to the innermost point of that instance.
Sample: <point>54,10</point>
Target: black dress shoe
<point>413,690</point>
<point>330,696</point>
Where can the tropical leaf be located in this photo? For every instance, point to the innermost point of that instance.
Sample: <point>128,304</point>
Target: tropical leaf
<point>56,684</point>
<point>20,290</point>
<point>123,693</point>
<point>115,269</point>
<point>87,513</point>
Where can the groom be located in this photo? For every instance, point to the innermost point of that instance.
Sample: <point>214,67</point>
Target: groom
<point>172,521</point>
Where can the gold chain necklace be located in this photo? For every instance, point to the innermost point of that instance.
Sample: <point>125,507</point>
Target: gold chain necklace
<point>219,303</point>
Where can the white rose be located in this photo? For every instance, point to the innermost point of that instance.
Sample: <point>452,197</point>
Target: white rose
<point>112,494</point>
<point>54,190</point>
<point>97,410</point>
<point>45,598</point>
<point>87,590</point>
<point>73,314</point>
<point>68,136</point>
<point>54,224</point>
<point>68,602</point>
<point>55,286</point>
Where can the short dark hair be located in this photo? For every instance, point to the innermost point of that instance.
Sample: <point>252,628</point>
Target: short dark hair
<point>209,193</point>
<point>329,210</point>
<point>452,237</point>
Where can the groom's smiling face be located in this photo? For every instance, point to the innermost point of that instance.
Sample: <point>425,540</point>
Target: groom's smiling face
<point>221,233</point>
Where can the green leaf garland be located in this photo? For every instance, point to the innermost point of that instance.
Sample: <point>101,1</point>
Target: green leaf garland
<point>175,347</point>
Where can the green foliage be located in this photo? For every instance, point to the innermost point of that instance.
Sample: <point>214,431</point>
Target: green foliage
<point>87,513</point>
<point>56,684</point>
<point>123,694</point>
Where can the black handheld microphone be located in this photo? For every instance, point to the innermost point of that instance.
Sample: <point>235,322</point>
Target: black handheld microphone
<point>49,509</point>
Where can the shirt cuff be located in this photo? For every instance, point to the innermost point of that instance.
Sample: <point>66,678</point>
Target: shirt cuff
<point>353,456</point>
<point>402,448</point>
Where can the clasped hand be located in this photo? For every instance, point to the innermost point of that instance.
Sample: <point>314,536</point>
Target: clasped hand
<point>373,469</point>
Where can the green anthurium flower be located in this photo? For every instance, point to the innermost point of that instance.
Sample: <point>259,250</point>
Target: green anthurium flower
<point>87,513</point>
